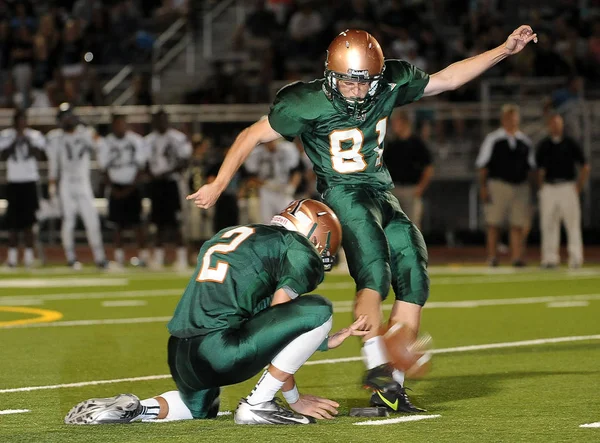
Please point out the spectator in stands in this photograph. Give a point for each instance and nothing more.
(142, 90)
(21, 148)
(398, 16)
(304, 29)
(356, 14)
(227, 211)
(409, 161)
(21, 59)
(506, 160)
(23, 16)
(557, 157)
(84, 11)
(46, 47)
(72, 63)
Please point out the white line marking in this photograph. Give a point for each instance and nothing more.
(6, 299)
(514, 344)
(108, 321)
(121, 303)
(24, 302)
(391, 421)
(568, 304)
(339, 307)
(61, 282)
(14, 411)
(591, 425)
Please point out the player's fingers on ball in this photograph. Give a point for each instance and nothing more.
(325, 414)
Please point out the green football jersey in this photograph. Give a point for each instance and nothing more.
(238, 272)
(342, 148)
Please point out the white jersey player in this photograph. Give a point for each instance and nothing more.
(21, 147)
(70, 150)
(169, 153)
(273, 163)
(123, 158)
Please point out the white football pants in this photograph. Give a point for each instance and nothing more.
(560, 202)
(272, 203)
(78, 199)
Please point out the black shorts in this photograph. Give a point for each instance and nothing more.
(127, 211)
(22, 204)
(164, 195)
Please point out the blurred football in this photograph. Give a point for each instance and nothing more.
(408, 352)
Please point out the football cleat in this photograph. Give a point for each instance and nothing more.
(268, 413)
(123, 408)
(387, 392)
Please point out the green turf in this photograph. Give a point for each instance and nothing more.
(532, 393)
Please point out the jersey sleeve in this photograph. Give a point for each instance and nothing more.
(38, 140)
(286, 116)
(408, 81)
(102, 153)
(52, 154)
(302, 269)
(142, 152)
(184, 147)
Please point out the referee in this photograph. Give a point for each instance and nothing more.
(505, 161)
(557, 157)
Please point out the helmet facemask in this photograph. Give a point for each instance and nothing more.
(356, 107)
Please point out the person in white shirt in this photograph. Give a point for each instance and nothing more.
(169, 154)
(123, 158)
(21, 147)
(275, 166)
(70, 149)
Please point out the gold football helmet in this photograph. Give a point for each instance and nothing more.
(317, 222)
(354, 55)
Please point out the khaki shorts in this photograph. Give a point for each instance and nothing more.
(410, 203)
(507, 200)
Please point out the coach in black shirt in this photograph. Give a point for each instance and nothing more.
(409, 162)
(506, 161)
(557, 157)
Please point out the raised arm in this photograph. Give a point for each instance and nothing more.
(246, 141)
(461, 72)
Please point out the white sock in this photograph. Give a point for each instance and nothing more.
(120, 256)
(177, 408)
(150, 410)
(28, 257)
(301, 348)
(182, 259)
(265, 389)
(374, 352)
(159, 256)
(144, 255)
(70, 254)
(98, 251)
(398, 377)
(13, 256)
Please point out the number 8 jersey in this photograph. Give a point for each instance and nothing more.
(344, 149)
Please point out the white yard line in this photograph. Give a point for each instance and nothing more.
(568, 304)
(14, 411)
(514, 344)
(61, 282)
(391, 421)
(338, 307)
(591, 425)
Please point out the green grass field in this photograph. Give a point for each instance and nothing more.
(112, 327)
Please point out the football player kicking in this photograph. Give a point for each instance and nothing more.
(341, 121)
(242, 310)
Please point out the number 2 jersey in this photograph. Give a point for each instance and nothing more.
(238, 271)
(342, 148)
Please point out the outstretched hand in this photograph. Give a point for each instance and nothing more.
(206, 196)
(519, 39)
(317, 407)
(355, 329)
